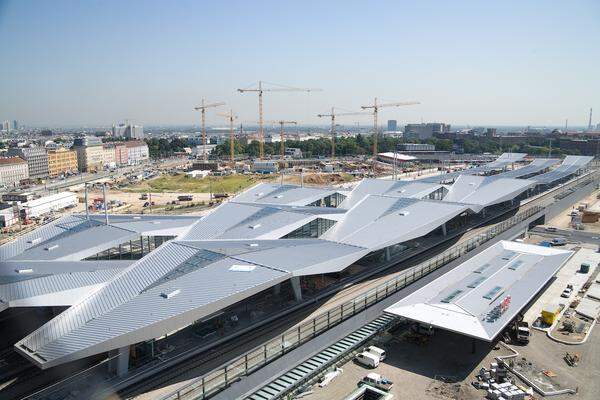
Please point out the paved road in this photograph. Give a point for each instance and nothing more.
(570, 235)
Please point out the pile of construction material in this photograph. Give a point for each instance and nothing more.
(495, 382)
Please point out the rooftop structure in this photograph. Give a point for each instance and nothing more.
(140, 277)
(481, 296)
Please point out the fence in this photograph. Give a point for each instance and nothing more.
(256, 358)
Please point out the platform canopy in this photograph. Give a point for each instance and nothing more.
(192, 267)
(479, 297)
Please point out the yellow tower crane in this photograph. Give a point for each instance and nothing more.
(282, 134)
(260, 90)
(334, 114)
(230, 117)
(202, 108)
(376, 108)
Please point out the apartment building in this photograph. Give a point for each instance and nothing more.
(61, 161)
(137, 152)
(13, 170)
(90, 153)
(36, 158)
(109, 155)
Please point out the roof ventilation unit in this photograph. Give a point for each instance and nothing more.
(50, 248)
(403, 213)
(168, 295)
(24, 271)
(255, 226)
(34, 241)
(242, 268)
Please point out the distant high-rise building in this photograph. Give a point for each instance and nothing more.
(15, 125)
(392, 125)
(6, 126)
(425, 131)
(128, 131)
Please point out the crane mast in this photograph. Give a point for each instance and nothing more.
(202, 108)
(230, 117)
(375, 107)
(260, 90)
(332, 116)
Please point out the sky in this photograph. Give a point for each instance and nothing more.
(91, 63)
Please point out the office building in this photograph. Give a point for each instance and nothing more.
(425, 131)
(392, 125)
(13, 170)
(90, 153)
(36, 157)
(128, 131)
(137, 152)
(6, 126)
(61, 161)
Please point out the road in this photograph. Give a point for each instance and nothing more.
(570, 235)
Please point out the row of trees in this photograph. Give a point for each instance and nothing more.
(350, 146)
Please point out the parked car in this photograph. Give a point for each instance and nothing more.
(376, 351)
(567, 292)
(550, 229)
(367, 359)
(377, 381)
(559, 241)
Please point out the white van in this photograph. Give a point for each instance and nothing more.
(376, 351)
(367, 359)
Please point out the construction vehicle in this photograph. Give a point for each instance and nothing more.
(522, 332)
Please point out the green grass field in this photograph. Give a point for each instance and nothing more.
(185, 184)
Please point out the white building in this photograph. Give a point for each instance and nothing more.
(13, 170)
(46, 204)
(137, 152)
(7, 217)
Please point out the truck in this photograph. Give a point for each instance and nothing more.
(522, 332)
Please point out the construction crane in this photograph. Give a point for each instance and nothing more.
(376, 108)
(333, 114)
(260, 90)
(202, 109)
(230, 117)
(282, 134)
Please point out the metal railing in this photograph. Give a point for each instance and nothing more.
(219, 379)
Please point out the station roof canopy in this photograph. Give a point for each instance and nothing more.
(536, 166)
(481, 296)
(255, 240)
(569, 166)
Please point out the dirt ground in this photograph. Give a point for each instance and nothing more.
(445, 366)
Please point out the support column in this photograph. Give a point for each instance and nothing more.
(277, 289)
(388, 254)
(444, 229)
(119, 365)
(295, 281)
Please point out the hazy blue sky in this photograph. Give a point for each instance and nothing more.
(468, 62)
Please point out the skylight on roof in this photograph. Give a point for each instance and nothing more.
(451, 296)
(255, 226)
(482, 268)
(476, 282)
(54, 246)
(515, 265)
(492, 294)
(34, 241)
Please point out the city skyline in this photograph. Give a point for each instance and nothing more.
(509, 64)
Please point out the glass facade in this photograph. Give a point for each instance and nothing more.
(313, 229)
(131, 250)
(333, 200)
